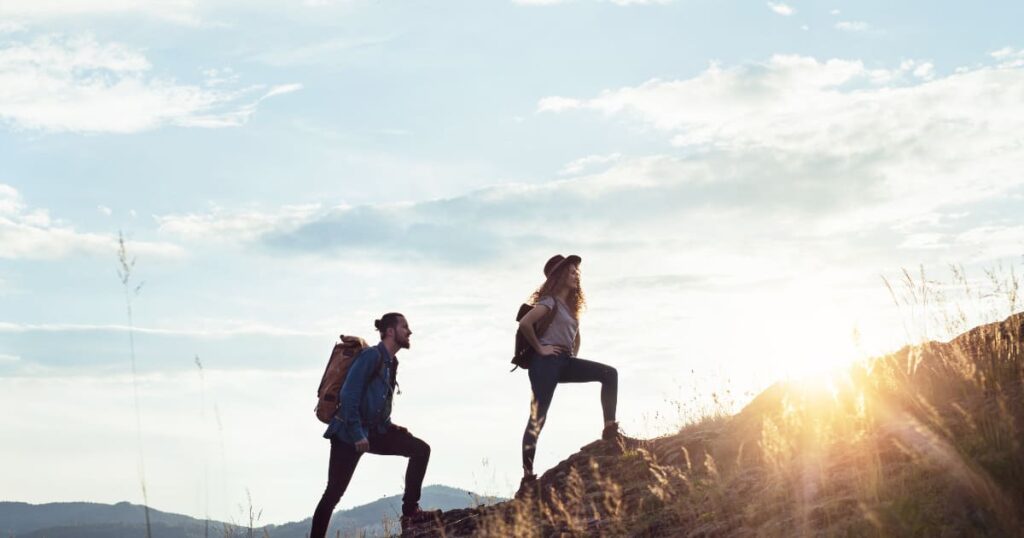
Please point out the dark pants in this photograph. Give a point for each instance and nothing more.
(545, 374)
(396, 442)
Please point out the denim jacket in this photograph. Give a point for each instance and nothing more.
(365, 397)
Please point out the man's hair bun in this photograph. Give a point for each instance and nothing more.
(387, 321)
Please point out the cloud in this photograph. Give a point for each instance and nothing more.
(180, 11)
(905, 132)
(208, 329)
(27, 233)
(1009, 57)
(981, 243)
(194, 13)
(557, 104)
(616, 2)
(233, 226)
(77, 348)
(324, 51)
(924, 71)
(852, 26)
(989, 241)
(782, 156)
(682, 208)
(11, 27)
(900, 130)
(1002, 53)
(476, 227)
(779, 103)
(76, 84)
(682, 281)
(281, 90)
(781, 8)
(585, 163)
(420, 230)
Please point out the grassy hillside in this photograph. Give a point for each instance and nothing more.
(923, 442)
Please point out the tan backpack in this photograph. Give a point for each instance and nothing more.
(342, 357)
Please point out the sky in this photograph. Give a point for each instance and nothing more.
(741, 179)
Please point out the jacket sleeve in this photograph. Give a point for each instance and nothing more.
(352, 392)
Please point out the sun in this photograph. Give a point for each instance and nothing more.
(813, 339)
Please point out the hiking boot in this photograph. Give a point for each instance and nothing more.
(611, 432)
(527, 485)
(416, 516)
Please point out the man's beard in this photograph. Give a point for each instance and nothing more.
(404, 344)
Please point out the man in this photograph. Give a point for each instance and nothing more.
(363, 424)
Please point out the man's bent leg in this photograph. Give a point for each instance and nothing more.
(399, 442)
(339, 472)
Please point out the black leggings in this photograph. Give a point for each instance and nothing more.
(396, 442)
(545, 374)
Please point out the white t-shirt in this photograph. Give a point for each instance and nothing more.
(563, 328)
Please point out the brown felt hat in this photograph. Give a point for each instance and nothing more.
(557, 261)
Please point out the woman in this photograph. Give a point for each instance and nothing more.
(554, 358)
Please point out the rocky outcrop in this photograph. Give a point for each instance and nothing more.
(592, 492)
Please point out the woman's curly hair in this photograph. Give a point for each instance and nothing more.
(576, 302)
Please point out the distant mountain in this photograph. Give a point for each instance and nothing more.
(125, 520)
(22, 519)
(134, 530)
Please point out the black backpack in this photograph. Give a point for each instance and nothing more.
(523, 350)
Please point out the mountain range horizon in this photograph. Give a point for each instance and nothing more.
(82, 519)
